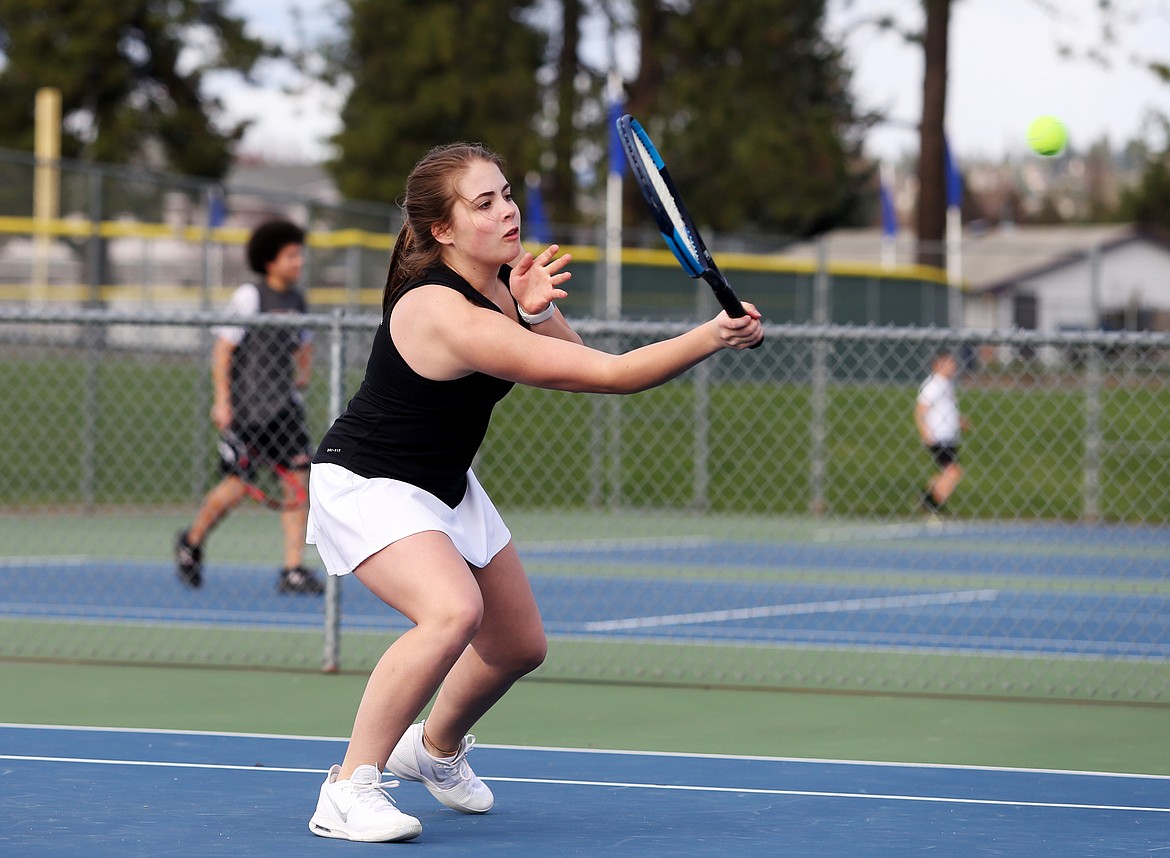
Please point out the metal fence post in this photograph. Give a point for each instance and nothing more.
(353, 275)
(705, 306)
(820, 381)
(597, 453)
(700, 499)
(1091, 497)
(613, 409)
(94, 337)
(1092, 450)
(205, 251)
(331, 659)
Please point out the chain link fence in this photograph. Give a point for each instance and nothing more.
(755, 523)
(123, 236)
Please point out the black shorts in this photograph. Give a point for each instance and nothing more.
(944, 454)
(284, 441)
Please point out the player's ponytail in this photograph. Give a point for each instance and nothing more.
(398, 273)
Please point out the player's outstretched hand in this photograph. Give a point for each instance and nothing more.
(743, 332)
(535, 282)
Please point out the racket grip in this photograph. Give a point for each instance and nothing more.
(727, 298)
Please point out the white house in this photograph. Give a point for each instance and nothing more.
(1046, 278)
(1114, 278)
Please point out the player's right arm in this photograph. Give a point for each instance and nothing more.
(221, 382)
(245, 302)
(442, 336)
(920, 410)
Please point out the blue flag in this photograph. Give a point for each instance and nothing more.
(216, 209)
(536, 221)
(954, 180)
(617, 156)
(889, 213)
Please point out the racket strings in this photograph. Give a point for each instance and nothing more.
(682, 230)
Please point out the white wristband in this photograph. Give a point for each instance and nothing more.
(536, 318)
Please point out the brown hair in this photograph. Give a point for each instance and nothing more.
(430, 199)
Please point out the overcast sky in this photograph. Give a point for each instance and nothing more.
(1005, 70)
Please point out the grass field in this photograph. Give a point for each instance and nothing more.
(135, 433)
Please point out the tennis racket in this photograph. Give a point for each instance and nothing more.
(272, 485)
(671, 215)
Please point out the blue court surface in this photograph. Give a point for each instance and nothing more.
(1098, 593)
(95, 792)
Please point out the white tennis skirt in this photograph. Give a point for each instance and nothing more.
(352, 518)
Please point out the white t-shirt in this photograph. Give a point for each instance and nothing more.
(245, 302)
(937, 393)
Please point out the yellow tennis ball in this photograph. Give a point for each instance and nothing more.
(1047, 135)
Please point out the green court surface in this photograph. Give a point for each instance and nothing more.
(1048, 735)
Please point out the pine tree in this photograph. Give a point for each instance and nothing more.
(749, 103)
(429, 73)
(131, 81)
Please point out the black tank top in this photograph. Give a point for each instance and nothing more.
(263, 367)
(409, 428)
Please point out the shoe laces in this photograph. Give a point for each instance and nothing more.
(375, 795)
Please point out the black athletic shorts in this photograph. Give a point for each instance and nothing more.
(944, 454)
(280, 442)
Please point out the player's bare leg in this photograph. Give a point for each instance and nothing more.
(509, 644)
(218, 502)
(424, 578)
(945, 482)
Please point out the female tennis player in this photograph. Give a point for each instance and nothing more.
(467, 313)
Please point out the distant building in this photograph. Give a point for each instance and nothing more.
(1111, 278)
(258, 191)
(1049, 278)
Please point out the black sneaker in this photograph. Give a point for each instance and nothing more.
(188, 562)
(299, 580)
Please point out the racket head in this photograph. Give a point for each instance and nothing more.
(670, 213)
(649, 171)
(272, 485)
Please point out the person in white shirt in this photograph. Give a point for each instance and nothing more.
(940, 426)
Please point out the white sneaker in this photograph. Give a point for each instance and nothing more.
(360, 809)
(450, 781)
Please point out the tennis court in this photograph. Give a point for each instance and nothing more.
(965, 588)
(140, 792)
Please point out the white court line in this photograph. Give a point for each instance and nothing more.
(825, 794)
(69, 560)
(598, 752)
(909, 530)
(166, 731)
(158, 764)
(625, 544)
(985, 802)
(835, 606)
(620, 752)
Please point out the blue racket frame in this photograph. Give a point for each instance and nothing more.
(688, 249)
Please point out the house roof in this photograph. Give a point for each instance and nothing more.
(305, 181)
(991, 259)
